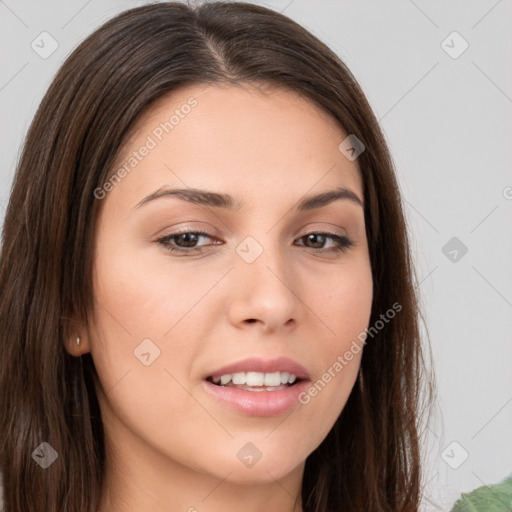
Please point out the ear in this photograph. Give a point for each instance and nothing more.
(73, 331)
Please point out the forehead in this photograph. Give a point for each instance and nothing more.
(239, 139)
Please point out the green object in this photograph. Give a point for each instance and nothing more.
(488, 498)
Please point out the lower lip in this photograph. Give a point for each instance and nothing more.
(258, 403)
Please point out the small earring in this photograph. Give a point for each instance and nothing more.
(78, 342)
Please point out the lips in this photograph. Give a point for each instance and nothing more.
(265, 401)
(257, 364)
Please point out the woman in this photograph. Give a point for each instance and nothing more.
(207, 295)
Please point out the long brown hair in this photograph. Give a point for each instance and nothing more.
(370, 460)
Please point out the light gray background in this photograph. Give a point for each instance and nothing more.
(447, 121)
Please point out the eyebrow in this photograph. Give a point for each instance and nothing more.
(220, 200)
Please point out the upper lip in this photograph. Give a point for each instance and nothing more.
(258, 364)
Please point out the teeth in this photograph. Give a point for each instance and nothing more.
(271, 379)
(256, 378)
(225, 379)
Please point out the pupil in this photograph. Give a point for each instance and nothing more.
(312, 236)
(183, 237)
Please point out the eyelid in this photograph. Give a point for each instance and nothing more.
(341, 241)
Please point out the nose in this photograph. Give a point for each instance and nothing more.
(265, 291)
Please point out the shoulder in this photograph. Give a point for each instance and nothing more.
(497, 497)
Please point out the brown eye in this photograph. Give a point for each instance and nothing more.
(318, 240)
(184, 241)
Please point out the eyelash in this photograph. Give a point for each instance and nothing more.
(342, 242)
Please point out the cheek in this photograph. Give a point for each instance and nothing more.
(343, 301)
(148, 312)
(141, 318)
(343, 304)
(144, 295)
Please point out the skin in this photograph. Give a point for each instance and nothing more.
(170, 445)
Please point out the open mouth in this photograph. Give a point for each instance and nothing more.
(255, 381)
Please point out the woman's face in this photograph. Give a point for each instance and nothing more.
(262, 282)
